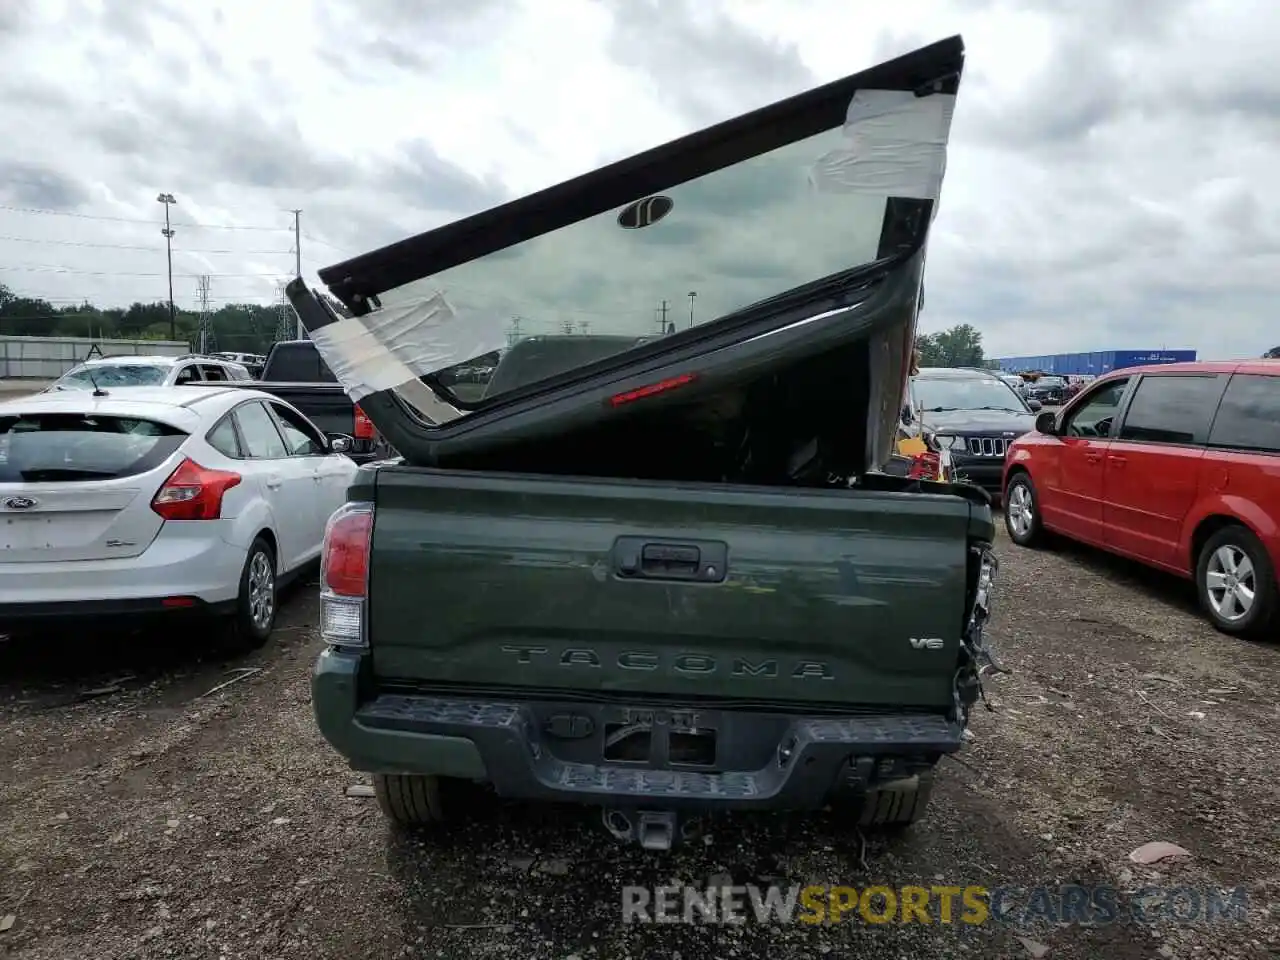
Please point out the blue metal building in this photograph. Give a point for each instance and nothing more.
(1096, 363)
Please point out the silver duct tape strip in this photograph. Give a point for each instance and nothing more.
(896, 146)
(392, 348)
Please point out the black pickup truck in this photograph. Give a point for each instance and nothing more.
(296, 372)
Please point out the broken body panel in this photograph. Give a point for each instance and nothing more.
(689, 523)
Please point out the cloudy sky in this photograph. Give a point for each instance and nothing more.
(1110, 182)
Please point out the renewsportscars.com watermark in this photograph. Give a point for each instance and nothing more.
(938, 904)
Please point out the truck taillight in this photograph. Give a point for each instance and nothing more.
(193, 492)
(344, 575)
(363, 426)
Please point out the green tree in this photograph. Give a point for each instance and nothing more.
(1272, 354)
(245, 327)
(960, 346)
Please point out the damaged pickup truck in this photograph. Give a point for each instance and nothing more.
(664, 574)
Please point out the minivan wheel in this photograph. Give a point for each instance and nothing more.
(1237, 584)
(1022, 511)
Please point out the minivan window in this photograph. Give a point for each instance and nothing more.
(1172, 409)
(1249, 415)
(54, 447)
(1094, 417)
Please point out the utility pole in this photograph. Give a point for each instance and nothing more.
(693, 295)
(167, 200)
(514, 336)
(285, 316)
(205, 326)
(297, 260)
(664, 308)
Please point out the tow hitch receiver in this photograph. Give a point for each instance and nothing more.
(652, 829)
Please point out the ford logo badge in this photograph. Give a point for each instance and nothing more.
(20, 503)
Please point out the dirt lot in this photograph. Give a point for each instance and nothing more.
(140, 817)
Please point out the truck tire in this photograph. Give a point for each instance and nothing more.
(898, 803)
(409, 800)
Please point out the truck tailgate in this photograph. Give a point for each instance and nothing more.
(502, 581)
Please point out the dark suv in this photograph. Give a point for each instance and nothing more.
(1051, 390)
(975, 416)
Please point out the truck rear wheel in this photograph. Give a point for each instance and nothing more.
(898, 803)
(409, 800)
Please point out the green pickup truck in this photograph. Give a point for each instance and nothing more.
(660, 572)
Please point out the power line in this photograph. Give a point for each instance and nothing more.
(58, 268)
(150, 248)
(176, 223)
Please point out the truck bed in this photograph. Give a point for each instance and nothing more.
(627, 590)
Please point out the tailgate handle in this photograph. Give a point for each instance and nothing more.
(643, 559)
(671, 559)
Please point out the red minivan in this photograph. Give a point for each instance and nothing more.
(1177, 466)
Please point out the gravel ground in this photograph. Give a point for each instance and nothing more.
(142, 816)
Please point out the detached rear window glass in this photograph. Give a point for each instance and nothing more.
(685, 256)
(63, 447)
(115, 375)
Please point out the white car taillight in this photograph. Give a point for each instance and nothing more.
(344, 575)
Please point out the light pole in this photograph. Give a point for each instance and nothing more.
(167, 199)
(693, 294)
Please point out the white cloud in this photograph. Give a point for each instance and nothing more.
(1110, 181)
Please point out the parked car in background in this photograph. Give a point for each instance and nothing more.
(160, 503)
(1176, 466)
(1076, 383)
(974, 416)
(1048, 390)
(1016, 384)
(296, 372)
(143, 371)
(253, 362)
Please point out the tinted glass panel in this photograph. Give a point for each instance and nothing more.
(223, 438)
(1249, 416)
(1169, 409)
(1095, 416)
(260, 433)
(689, 254)
(213, 372)
(300, 438)
(45, 448)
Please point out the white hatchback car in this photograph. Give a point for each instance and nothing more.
(160, 502)
(153, 371)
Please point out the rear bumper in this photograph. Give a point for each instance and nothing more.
(554, 751)
(194, 559)
(99, 614)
